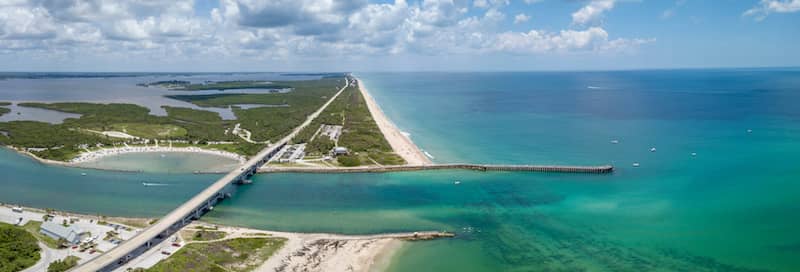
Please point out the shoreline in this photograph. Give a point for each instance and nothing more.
(77, 165)
(107, 152)
(400, 142)
(302, 251)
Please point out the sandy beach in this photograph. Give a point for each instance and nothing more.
(399, 141)
(97, 154)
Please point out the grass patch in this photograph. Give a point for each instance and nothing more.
(206, 235)
(33, 228)
(240, 255)
(18, 248)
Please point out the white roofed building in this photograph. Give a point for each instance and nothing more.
(71, 234)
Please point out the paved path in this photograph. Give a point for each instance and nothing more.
(127, 248)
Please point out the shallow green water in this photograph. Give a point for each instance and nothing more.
(732, 207)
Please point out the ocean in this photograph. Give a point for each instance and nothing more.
(718, 193)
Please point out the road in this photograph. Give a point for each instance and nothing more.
(130, 248)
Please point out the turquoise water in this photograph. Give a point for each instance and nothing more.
(732, 207)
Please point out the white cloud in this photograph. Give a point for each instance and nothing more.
(591, 39)
(254, 30)
(490, 3)
(765, 7)
(521, 18)
(592, 12)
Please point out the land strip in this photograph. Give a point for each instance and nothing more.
(349, 125)
(400, 143)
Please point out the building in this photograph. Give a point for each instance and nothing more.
(340, 151)
(71, 234)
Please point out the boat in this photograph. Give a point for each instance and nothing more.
(457, 182)
(694, 154)
(83, 174)
(749, 131)
(614, 141)
(635, 164)
(652, 149)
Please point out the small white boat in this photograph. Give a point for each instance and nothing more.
(635, 164)
(694, 154)
(749, 131)
(652, 149)
(457, 182)
(614, 141)
(83, 174)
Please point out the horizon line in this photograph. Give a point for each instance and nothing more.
(413, 71)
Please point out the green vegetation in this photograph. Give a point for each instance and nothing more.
(33, 228)
(240, 255)
(360, 133)
(166, 84)
(183, 125)
(231, 85)
(150, 131)
(4, 110)
(272, 123)
(64, 264)
(180, 85)
(208, 235)
(18, 249)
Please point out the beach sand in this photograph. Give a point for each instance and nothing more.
(310, 252)
(401, 143)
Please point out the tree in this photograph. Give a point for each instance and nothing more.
(63, 265)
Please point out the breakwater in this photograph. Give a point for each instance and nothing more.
(602, 169)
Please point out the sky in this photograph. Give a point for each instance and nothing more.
(395, 35)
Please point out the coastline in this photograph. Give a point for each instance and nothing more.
(98, 154)
(400, 142)
(302, 251)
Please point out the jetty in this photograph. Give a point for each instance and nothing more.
(601, 169)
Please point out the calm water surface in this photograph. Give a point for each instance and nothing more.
(732, 207)
(166, 162)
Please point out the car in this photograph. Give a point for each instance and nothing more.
(176, 244)
(165, 252)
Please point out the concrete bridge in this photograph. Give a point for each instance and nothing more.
(196, 206)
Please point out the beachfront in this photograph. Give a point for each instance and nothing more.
(94, 155)
(300, 252)
(399, 141)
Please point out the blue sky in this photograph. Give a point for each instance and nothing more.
(361, 35)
